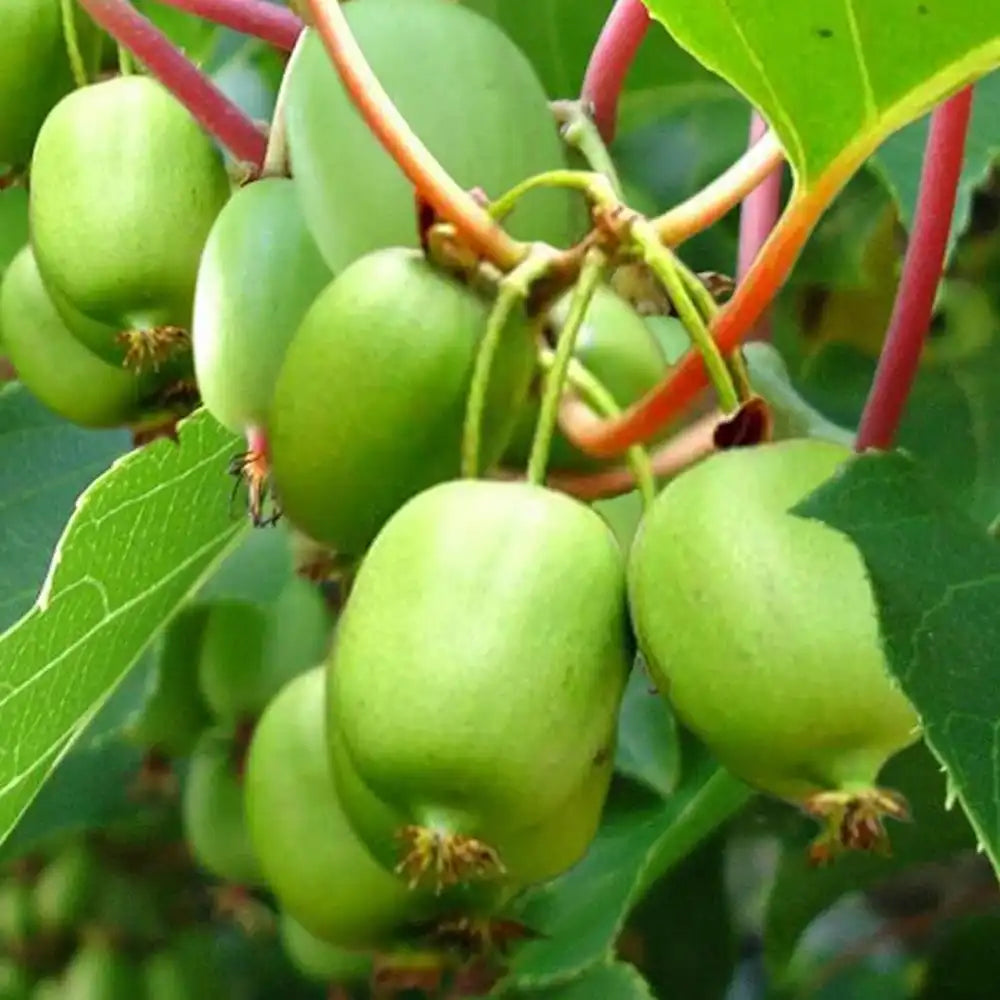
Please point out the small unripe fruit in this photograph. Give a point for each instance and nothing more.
(463, 87)
(316, 959)
(56, 367)
(212, 809)
(98, 972)
(124, 189)
(65, 888)
(309, 854)
(481, 610)
(259, 273)
(761, 628)
(175, 713)
(370, 402)
(230, 661)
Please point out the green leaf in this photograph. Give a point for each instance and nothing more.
(683, 921)
(834, 78)
(801, 892)
(936, 579)
(607, 981)
(965, 964)
(143, 536)
(45, 463)
(900, 158)
(649, 749)
(580, 914)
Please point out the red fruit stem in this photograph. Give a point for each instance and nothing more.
(437, 187)
(275, 25)
(922, 270)
(611, 61)
(759, 213)
(713, 201)
(209, 106)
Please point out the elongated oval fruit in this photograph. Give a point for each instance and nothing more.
(230, 661)
(761, 628)
(65, 888)
(185, 969)
(34, 70)
(98, 972)
(316, 959)
(464, 88)
(481, 610)
(124, 190)
(371, 398)
(259, 273)
(55, 366)
(310, 856)
(617, 347)
(174, 714)
(212, 810)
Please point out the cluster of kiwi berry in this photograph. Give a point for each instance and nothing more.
(458, 744)
(116, 914)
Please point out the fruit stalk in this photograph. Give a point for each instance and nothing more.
(209, 106)
(611, 60)
(591, 272)
(713, 201)
(922, 269)
(580, 131)
(275, 25)
(640, 472)
(664, 266)
(72, 43)
(759, 213)
(513, 291)
(452, 202)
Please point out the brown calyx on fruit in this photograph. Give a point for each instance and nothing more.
(148, 349)
(445, 859)
(253, 467)
(853, 821)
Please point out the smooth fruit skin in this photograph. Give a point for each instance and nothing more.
(310, 856)
(65, 888)
(617, 347)
(464, 88)
(259, 273)
(54, 365)
(97, 972)
(230, 662)
(315, 959)
(212, 810)
(174, 714)
(34, 71)
(124, 190)
(370, 402)
(482, 610)
(760, 626)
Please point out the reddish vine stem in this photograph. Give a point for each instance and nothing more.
(922, 269)
(212, 109)
(759, 213)
(275, 25)
(437, 187)
(611, 61)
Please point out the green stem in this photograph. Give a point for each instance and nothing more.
(581, 133)
(662, 262)
(126, 64)
(513, 290)
(592, 391)
(276, 162)
(701, 296)
(595, 186)
(73, 43)
(591, 272)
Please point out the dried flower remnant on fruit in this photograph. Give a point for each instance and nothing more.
(149, 349)
(852, 821)
(253, 468)
(445, 859)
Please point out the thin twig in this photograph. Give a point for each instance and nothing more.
(273, 24)
(611, 61)
(922, 269)
(209, 106)
(758, 214)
